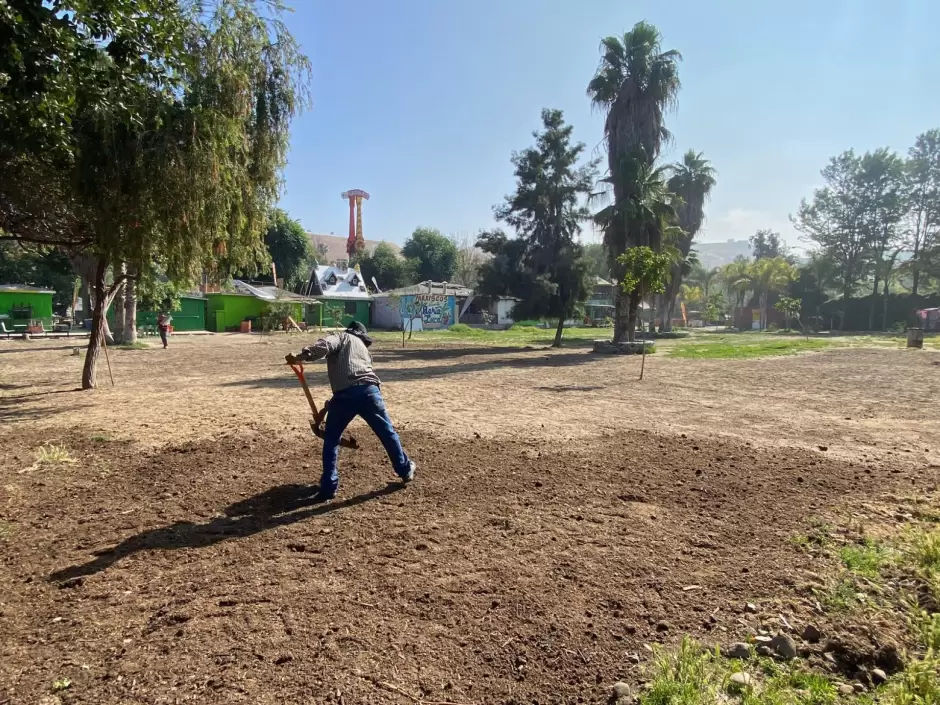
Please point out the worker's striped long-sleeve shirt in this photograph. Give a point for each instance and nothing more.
(348, 362)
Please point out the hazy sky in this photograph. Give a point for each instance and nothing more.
(421, 102)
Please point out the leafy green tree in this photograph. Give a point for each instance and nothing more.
(883, 202)
(767, 244)
(834, 220)
(691, 180)
(635, 84)
(645, 272)
(597, 258)
(923, 204)
(546, 212)
(435, 254)
(790, 308)
(289, 248)
(389, 269)
(171, 148)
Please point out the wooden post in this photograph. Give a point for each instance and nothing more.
(643, 360)
(107, 358)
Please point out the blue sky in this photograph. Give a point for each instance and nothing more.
(421, 102)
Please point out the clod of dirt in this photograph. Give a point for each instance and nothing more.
(738, 650)
(784, 646)
(811, 634)
(282, 659)
(662, 626)
(764, 650)
(740, 681)
(751, 608)
(620, 691)
(846, 689)
(888, 658)
(823, 448)
(878, 676)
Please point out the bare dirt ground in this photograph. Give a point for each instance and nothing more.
(565, 516)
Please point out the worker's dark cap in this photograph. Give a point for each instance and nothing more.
(357, 329)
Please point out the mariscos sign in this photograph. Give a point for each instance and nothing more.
(433, 310)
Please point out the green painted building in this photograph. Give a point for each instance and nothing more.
(189, 315)
(226, 310)
(22, 304)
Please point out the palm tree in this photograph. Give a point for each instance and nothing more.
(647, 213)
(703, 276)
(764, 277)
(692, 180)
(635, 83)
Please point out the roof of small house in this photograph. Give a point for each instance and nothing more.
(600, 281)
(340, 283)
(430, 288)
(270, 293)
(23, 289)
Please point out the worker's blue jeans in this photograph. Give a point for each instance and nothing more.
(365, 401)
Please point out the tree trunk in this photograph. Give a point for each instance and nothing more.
(763, 311)
(86, 301)
(633, 307)
(874, 301)
(884, 308)
(118, 331)
(669, 298)
(621, 315)
(662, 313)
(558, 332)
(915, 268)
(100, 305)
(130, 312)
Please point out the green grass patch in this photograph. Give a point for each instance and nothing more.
(818, 536)
(746, 349)
(6, 530)
(693, 675)
(517, 336)
(866, 559)
(841, 595)
(924, 549)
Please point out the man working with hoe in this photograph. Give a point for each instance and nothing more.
(355, 393)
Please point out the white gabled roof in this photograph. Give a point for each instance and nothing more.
(344, 288)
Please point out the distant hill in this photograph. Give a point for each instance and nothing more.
(332, 248)
(716, 254)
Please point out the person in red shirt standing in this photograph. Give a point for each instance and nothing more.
(163, 325)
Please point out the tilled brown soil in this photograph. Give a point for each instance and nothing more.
(509, 572)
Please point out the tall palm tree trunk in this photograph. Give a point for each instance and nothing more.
(622, 317)
(669, 298)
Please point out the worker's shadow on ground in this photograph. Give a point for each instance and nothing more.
(278, 506)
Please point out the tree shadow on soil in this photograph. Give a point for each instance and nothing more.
(424, 372)
(278, 506)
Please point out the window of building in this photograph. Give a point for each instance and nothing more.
(350, 308)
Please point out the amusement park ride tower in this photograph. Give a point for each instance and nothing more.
(355, 242)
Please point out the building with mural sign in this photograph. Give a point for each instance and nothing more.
(425, 306)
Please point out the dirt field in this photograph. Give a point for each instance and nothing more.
(565, 516)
